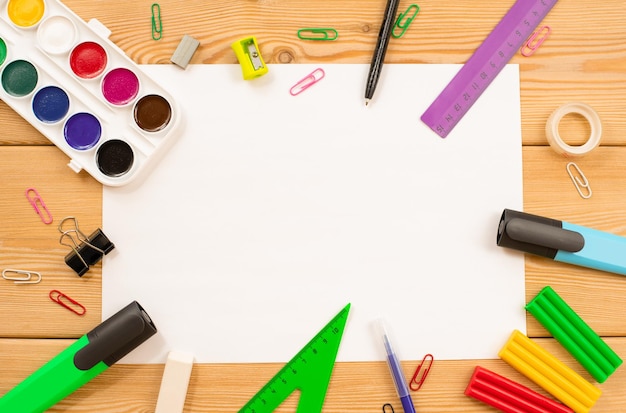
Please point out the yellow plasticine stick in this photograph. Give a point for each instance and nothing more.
(547, 371)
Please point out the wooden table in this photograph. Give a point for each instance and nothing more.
(584, 59)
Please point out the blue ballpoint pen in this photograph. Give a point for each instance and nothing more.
(396, 371)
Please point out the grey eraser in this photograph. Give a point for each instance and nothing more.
(184, 52)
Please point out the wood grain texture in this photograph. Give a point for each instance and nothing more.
(584, 59)
(221, 388)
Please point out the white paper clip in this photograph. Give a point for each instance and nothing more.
(21, 276)
(580, 181)
(311, 79)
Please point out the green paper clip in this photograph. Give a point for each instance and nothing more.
(404, 22)
(157, 27)
(314, 33)
(574, 334)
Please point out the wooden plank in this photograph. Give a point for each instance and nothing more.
(27, 243)
(219, 388)
(582, 60)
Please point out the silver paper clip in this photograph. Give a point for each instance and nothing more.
(21, 276)
(580, 180)
(311, 79)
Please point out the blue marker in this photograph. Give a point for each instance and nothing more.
(562, 241)
(396, 371)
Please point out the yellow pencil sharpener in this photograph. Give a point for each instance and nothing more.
(250, 59)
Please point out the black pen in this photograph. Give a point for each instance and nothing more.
(381, 49)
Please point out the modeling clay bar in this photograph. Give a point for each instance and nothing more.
(534, 362)
(574, 334)
(509, 396)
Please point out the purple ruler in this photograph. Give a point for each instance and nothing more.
(485, 64)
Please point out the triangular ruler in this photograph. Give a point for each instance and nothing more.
(309, 371)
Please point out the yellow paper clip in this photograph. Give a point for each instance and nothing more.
(318, 33)
(404, 22)
(530, 359)
(311, 79)
(250, 59)
(535, 40)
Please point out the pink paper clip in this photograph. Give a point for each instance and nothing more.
(42, 210)
(60, 298)
(535, 40)
(417, 380)
(311, 79)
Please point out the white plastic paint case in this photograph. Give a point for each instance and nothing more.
(130, 142)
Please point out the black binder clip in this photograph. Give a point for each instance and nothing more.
(86, 251)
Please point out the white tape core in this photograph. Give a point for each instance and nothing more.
(552, 129)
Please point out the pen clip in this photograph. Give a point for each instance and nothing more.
(417, 380)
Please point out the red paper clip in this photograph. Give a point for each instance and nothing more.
(426, 364)
(535, 40)
(37, 203)
(57, 296)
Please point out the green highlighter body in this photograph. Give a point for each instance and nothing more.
(92, 354)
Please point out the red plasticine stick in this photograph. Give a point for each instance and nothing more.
(509, 396)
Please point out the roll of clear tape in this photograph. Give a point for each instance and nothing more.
(554, 138)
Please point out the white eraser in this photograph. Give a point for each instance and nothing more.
(174, 383)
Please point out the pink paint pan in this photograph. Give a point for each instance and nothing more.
(77, 88)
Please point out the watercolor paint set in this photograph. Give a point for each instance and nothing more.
(66, 78)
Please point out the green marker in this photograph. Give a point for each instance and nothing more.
(82, 361)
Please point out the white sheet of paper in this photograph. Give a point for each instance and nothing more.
(272, 212)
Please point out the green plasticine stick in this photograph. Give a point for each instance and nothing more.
(574, 334)
(89, 356)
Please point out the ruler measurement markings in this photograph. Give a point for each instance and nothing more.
(288, 377)
(485, 64)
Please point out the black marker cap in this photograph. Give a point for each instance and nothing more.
(115, 337)
(536, 235)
